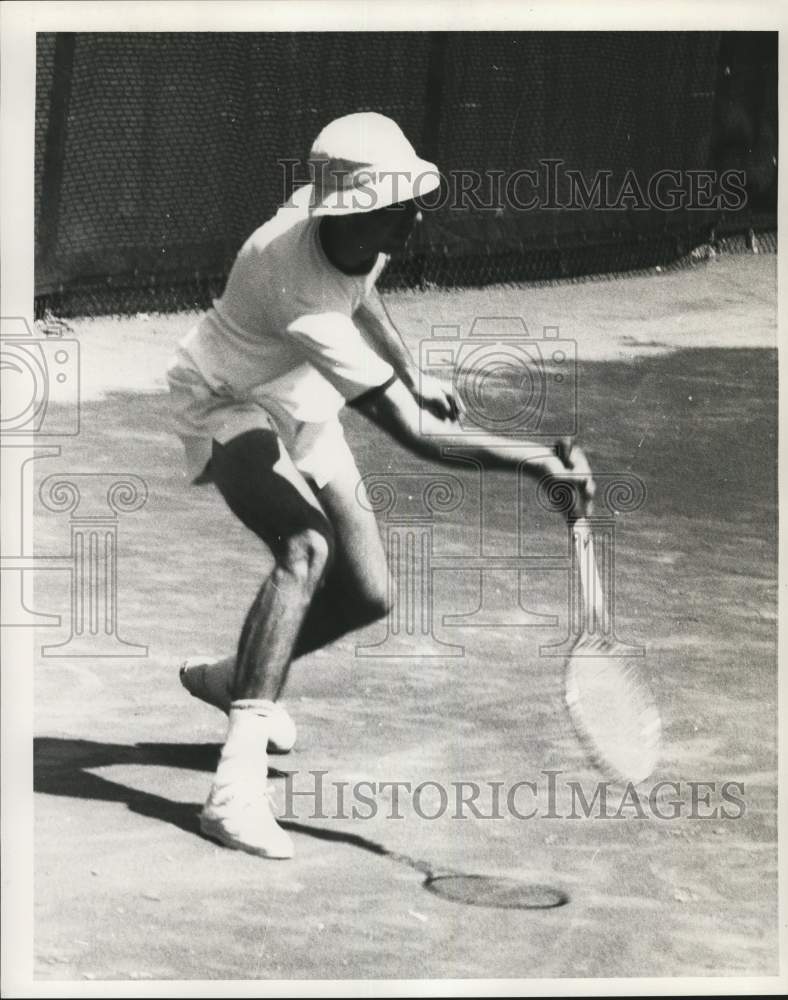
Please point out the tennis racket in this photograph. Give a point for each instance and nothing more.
(609, 700)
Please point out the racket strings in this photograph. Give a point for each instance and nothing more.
(615, 715)
(609, 700)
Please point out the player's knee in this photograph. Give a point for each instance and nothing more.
(306, 555)
(375, 603)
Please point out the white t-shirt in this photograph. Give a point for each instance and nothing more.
(283, 329)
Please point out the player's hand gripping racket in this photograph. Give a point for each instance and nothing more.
(609, 700)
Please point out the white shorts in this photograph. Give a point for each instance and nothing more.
(318, 450)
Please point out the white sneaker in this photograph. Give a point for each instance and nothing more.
(245, 822)
(210, 681)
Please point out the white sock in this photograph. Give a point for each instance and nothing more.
(244, 760)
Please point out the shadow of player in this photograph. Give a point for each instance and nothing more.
(64, 767)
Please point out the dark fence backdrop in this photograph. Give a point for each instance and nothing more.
(157, 154)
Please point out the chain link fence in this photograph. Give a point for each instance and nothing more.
(158, 153)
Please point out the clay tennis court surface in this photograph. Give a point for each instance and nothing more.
(677, 385)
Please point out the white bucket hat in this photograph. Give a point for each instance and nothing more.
(362, 162)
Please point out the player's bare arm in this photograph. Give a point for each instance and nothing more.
(397, 412)
(374, 320)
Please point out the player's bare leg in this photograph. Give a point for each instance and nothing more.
(276, 617)
(265, 491)
(354, 593)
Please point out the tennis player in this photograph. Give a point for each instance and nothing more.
(256, 388)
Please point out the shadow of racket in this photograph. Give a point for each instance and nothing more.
(497, 891)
